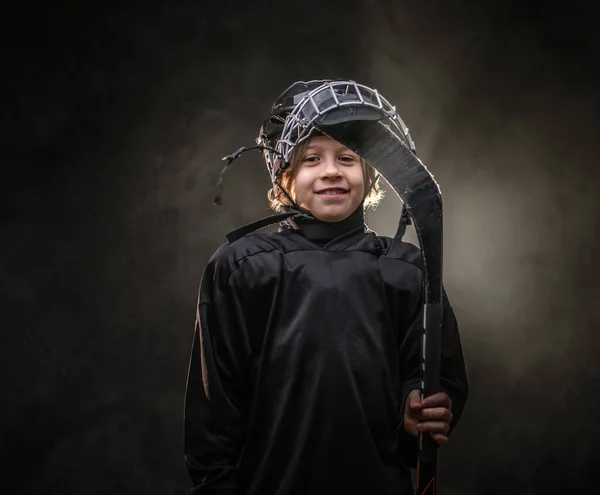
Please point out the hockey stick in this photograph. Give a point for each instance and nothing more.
(421, 195)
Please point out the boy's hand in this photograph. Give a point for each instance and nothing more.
(431, 415)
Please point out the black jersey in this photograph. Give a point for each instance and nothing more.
(304, 353)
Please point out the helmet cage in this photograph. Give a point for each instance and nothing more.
(317, 106)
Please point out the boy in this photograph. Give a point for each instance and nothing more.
(304, 376)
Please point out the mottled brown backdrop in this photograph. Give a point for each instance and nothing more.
(114, 119)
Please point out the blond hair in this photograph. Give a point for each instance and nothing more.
(278, 200)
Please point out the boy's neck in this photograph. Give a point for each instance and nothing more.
(321, 232)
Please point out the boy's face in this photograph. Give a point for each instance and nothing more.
(330, 180)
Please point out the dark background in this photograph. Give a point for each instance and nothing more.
(114, 120)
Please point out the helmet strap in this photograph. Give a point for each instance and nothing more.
(230, 158)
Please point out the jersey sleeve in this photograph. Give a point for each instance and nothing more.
(216, 391)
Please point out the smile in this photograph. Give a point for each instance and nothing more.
(332, 191)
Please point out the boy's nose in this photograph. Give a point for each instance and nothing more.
(331, 167)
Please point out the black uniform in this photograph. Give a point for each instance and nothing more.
(306, 347)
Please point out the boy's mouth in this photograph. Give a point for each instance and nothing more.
(332, 191)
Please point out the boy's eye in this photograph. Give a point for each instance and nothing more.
(347, 158)
(310, 159)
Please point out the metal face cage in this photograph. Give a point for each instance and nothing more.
(323, 105)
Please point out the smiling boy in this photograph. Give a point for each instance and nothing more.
(304, 375)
